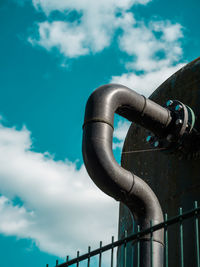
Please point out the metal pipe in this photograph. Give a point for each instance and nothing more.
(108, 175)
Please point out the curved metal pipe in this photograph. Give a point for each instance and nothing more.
(106, 172)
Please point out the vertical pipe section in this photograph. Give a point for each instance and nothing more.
(106, 172)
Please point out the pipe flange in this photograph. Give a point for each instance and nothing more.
(181, 137)
(183, 118)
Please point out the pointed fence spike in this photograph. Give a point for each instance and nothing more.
(88, 262)
(112, 253)
(100, 253)
(180, 211)
(77, 263)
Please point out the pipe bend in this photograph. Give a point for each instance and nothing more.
(114, 98)
(100, 163)
(97, 147)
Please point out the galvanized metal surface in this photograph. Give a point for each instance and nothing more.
(175, 181)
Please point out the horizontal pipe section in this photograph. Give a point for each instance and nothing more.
(114, 98)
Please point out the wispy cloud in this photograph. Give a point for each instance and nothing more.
(154, 47)
(155, 54)
(58, 201)
(120, 133)
(147, 82)
(69, 38)
(91, 32)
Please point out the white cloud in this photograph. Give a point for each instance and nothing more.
(171, 32)
(156, 52)
(68, 38)
(120, 133)
(59, 202)
(154, 47)
(83, 5)
(121, 130)
(146, 83)
(151, 52)
(96, 26)
(13, 218)
(90, 33)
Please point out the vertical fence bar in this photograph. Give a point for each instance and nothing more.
(112, 252)
(181, 236)
(179, 219)
(88, 262)
(166, 241)
(100, 254)
(67, 259)
(197, 233)
(151, 225)
(138, 247)
(77, 264)
(125, 249)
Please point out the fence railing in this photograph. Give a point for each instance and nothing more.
(175, 254)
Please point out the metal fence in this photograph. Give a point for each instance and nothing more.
(124, 244)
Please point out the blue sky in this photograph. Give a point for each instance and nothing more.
(53, 55)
